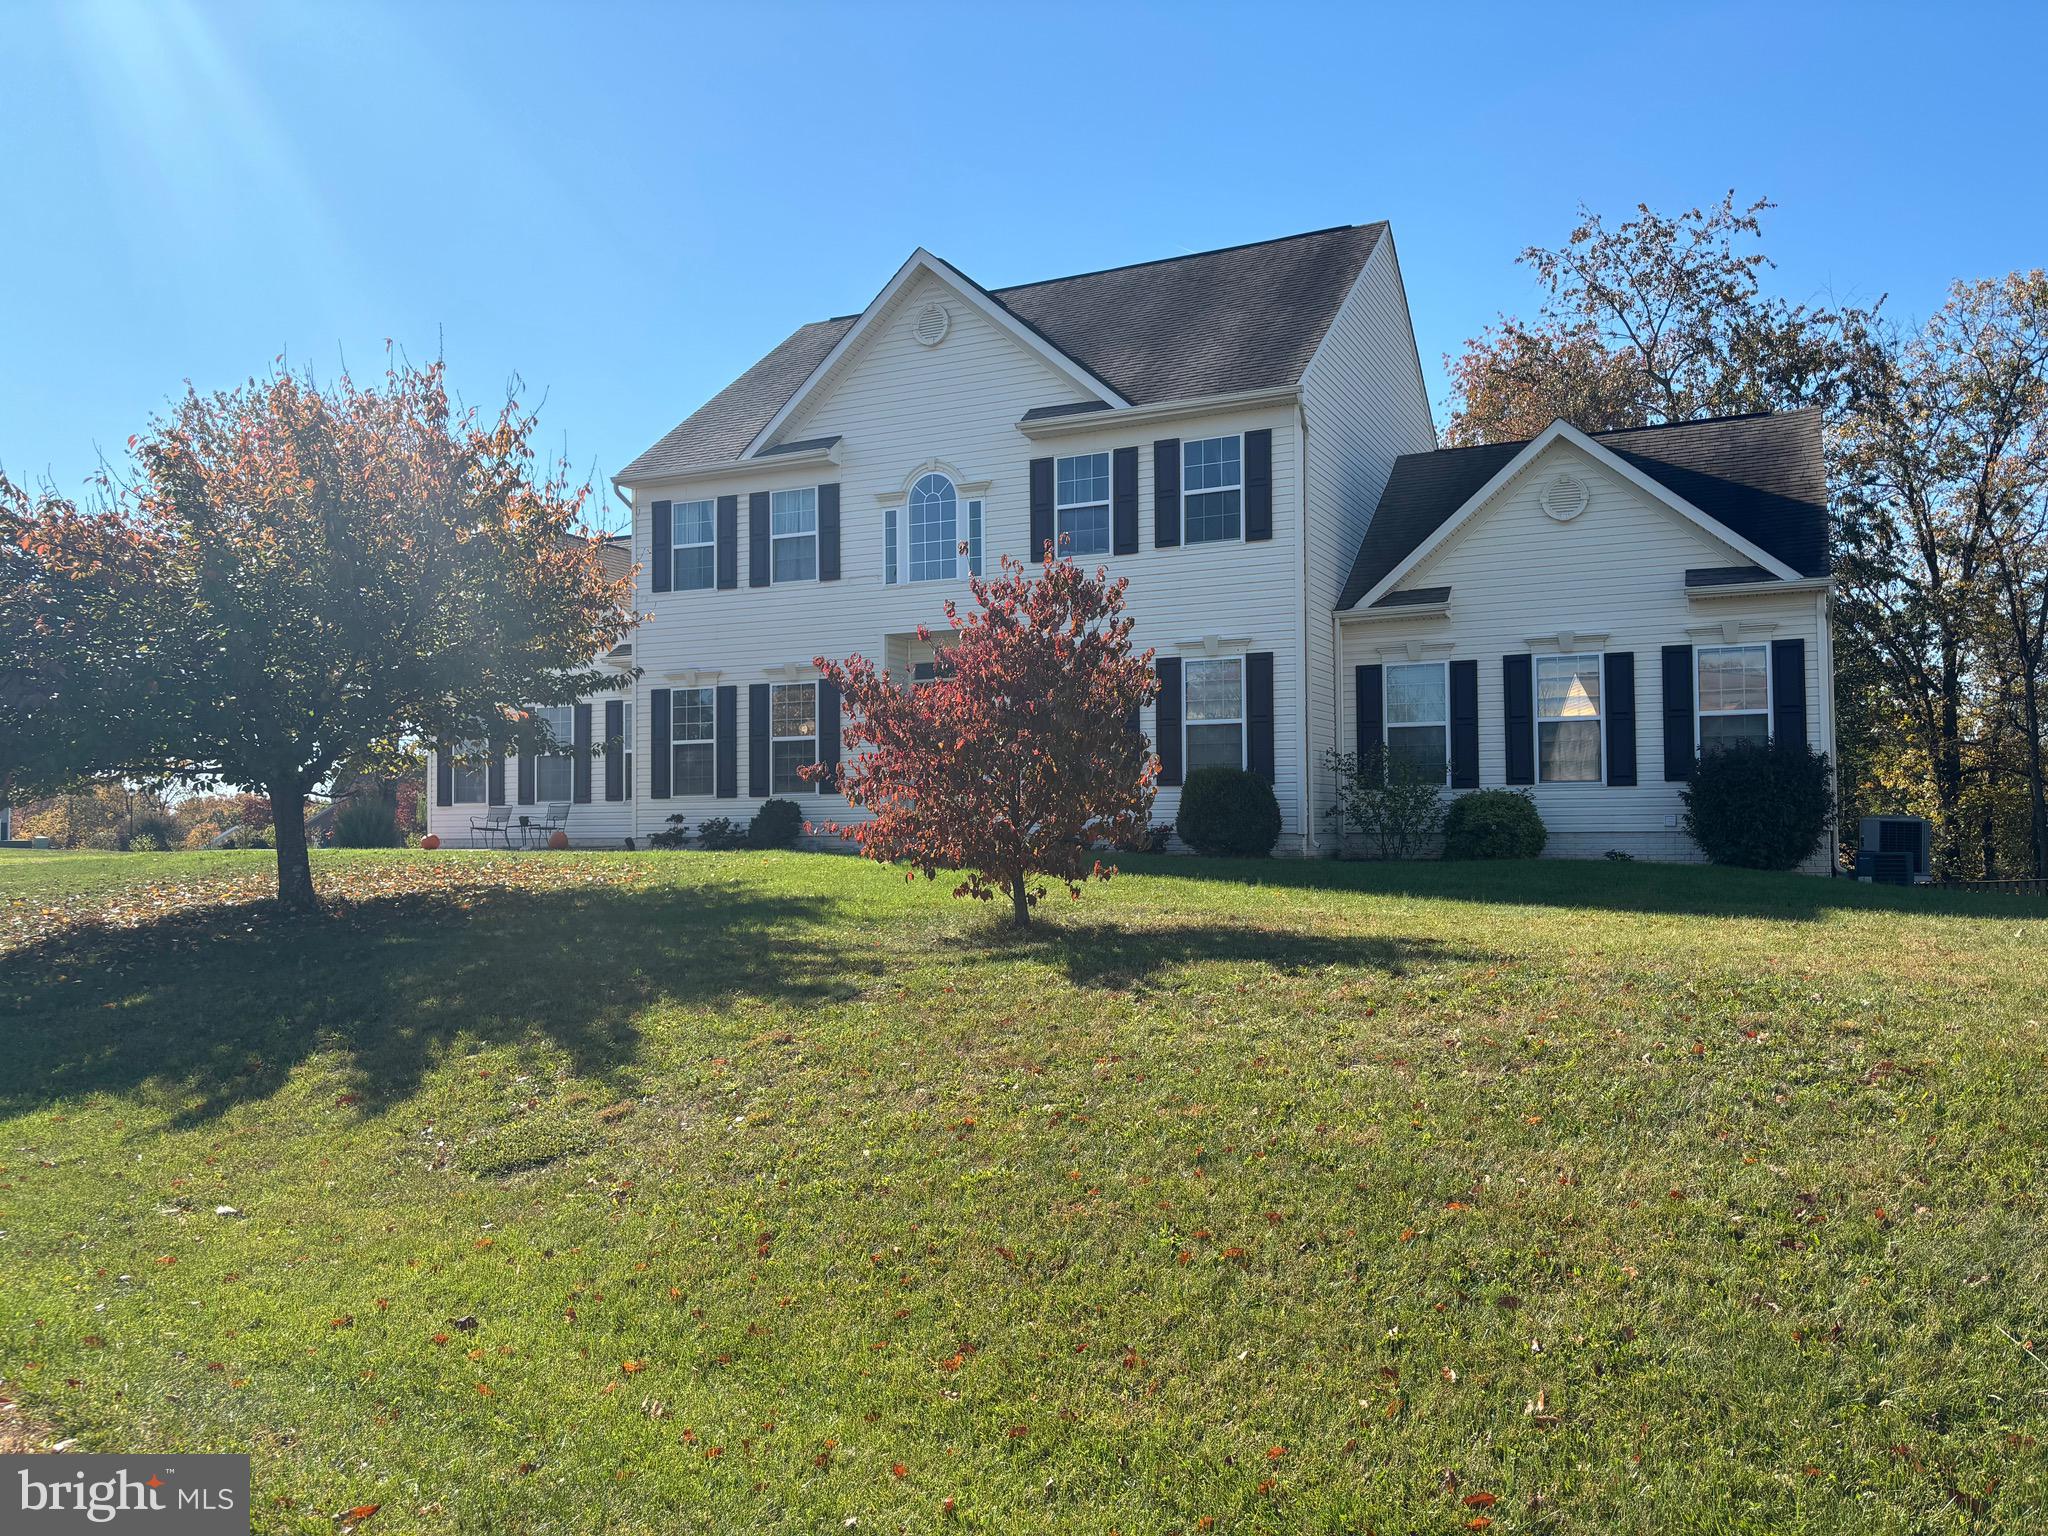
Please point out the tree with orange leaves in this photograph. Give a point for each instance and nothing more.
(1021, 757)
(300, 575)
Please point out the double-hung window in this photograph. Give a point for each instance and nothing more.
(626, 746)
(1734, 695)
(1212, 490)
(1213, 710)
(1080, 505)
(694, 528)
(1568, 719)
(693, 727)
(554, 768)
(793, 534)
(466, 765)
(1418, 721)
(793, 732)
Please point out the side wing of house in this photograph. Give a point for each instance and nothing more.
(1363, 405)
(1577, 635)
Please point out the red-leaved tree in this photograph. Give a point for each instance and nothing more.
(1021, 758)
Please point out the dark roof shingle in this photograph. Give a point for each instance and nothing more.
(1220, 322)
(1762, 476)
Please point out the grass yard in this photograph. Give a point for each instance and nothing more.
(691, 1192)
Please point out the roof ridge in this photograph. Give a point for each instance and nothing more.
(1163, 261)
(1648, 426)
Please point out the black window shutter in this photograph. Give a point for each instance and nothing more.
(828, 532)
(828, 733)
(1166, 493)
(1124, 501)
(1464, 725)
(614, 749)
(1621, 717)
(1041, 509)
(660, 762)
(728, 543)
(1166, 739)
(661, 555)
(1678, 753)
(1518, 717)
(1371, 711)
(526, 762)
(581, 776)
(1258, 714)
(757, 740)
(728, 749)
(494, 780)
(1788, 691)
(1258, 484)
(444, 776)
(757, 539)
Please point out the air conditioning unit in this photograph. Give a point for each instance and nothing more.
(1908, 840)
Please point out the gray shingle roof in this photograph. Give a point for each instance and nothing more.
(1220, 322)
(1761, 476)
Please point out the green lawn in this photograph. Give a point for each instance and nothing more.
(666, 1192)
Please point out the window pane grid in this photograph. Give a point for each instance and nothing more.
(1081, 505)
(1212, 490)
(693, 540)
(1212, 695)
(1734, 696)
(466, 773)
(1568, 719)
(793, 529)
(793, 729)
(1418, 721)
(934, 530)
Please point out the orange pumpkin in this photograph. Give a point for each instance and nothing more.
(558, 840)
(430, 841)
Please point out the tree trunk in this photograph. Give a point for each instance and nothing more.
(294, 869)
(1020, 905)
(2037, 795)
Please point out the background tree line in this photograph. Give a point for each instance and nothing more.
(1937, 437)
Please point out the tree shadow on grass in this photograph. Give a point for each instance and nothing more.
(1116, 956)
(218, 1005)
(1604, 884)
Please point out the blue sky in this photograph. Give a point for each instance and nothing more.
(625, 205)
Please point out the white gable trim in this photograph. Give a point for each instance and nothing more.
(971, 293)
(1607, 459)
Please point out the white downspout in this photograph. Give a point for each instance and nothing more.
(1310, 845)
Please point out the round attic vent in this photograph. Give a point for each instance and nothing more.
(932, 325)
(1565, 498)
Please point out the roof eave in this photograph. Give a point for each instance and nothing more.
(1159, 410)
(810, 458)
(1762, 588)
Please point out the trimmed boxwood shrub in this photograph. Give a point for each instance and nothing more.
(1228, 812)
(778, 824)
(1762, 807)
(1494, 824)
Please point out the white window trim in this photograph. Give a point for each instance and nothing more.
(804, 787)
(1108, 505)
(1538, 720)
(675, 742)
(775, 538)
(1188, 722)
(1185, 493)
(1388, 723)
(676, 546)
(1770, 692)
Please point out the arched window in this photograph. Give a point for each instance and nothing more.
(934, 529)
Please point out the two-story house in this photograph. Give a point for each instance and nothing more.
(1244, 434)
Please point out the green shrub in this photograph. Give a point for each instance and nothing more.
(1396, 806)
(1761, 807)
(153, 832)
(1494, 824)
(778, 824)
(1228, 812)
(365, 823)
(721, 834)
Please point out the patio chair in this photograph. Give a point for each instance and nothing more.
(495, 825)
(556, 820)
